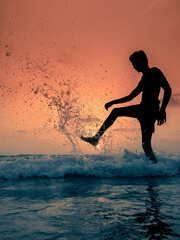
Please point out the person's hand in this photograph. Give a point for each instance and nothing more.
(107, 105)
(161, 118)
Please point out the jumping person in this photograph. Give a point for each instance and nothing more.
(148, 111)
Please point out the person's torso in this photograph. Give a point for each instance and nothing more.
(150, 88)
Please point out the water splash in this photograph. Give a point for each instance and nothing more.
(47, 82)
(55, 87)
(61, 97)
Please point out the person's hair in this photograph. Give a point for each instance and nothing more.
(139, 57)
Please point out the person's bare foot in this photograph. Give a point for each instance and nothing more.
(92, 140)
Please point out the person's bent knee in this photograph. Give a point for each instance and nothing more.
(115, 112)
(112, 117)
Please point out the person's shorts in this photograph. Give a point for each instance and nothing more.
(147, 117)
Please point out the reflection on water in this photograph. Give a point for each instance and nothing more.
(90, 208)
(152, 220)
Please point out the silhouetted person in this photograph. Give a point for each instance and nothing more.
(148, 111)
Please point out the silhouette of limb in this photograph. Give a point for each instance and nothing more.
(92, 140)
(130, 111)
(146, 145)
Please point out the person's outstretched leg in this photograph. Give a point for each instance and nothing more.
(146, 145)
(131, 111)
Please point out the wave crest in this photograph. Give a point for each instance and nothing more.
(127, 164)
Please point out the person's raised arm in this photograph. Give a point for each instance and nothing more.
(128, 98)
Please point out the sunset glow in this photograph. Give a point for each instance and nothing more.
(61, 61)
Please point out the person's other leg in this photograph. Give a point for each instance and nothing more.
(146, 145)
(130, 111)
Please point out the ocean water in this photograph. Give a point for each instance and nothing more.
(89, 197)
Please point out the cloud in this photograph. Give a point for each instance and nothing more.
(89, 120)
(125, 129)
(176, 95)
(178, 132)
(22, 131)
(175, 100)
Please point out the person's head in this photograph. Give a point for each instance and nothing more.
(139, 60)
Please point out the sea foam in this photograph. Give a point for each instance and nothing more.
(127, 164)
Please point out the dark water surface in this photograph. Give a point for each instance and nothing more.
(77, 207)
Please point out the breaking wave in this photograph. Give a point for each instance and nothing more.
(127, 164)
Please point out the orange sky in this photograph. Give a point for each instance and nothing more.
(61, 61)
